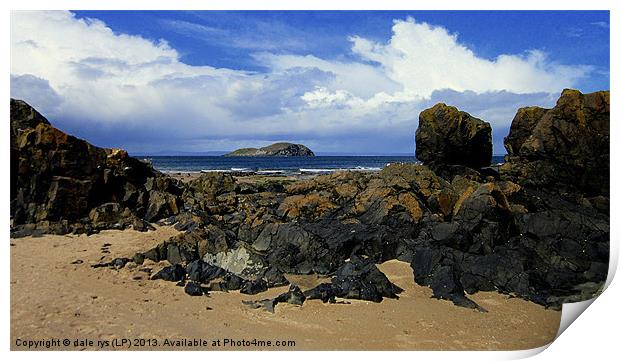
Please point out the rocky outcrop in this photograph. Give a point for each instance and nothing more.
(563, 149)
(461, 236)
(62, 184)
(461, 229)
(274, 150)
(446, 135)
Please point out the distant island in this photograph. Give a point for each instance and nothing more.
(281, 149)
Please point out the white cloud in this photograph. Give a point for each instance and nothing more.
(424, 58)
(98, 82)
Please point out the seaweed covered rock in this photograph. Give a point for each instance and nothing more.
(446, 135)
(563, 149)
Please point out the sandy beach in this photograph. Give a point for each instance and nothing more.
(56, 294)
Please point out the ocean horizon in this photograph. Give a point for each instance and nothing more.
(276, 165)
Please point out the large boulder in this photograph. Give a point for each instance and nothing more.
(563, 149)
(446, 135)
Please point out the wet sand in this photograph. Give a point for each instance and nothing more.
(53, 298)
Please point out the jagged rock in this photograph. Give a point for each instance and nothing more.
(435, 267)
(173, 273)
(361, 279)
(63, 184)
(356, 279)
(188, 221)
(435, 193)
(202, 272)
(324, 292)
(161, 205)
(210, 185)
(446, 135)
(252, 287)
(274, 278)
(141, 225)
(294, 296)
(486, 215)
(232, 282)
(108, 213)
(562, 149)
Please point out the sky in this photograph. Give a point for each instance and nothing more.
(156, 82)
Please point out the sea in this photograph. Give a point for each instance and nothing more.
(278, 165)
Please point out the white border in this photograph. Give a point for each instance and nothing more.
(594, 334)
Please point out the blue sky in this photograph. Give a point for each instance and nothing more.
(348, 81)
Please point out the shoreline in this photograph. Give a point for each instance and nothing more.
(249, 176)
(278, 175)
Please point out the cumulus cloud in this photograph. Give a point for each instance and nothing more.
(124, 90)
(425, 58)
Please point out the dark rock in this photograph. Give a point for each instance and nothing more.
(119, 262)
(173, 254)
(436, 268)
(361, 279)
(356, 279)
(161, 205)
(446, 135)
(275, 278)
(294, 296)
(324, 292)
(200, 271)
(108, 213)
(138, 258)
(252, 287)
(141, 225)
(153, 255)
(562, 149)
(232, 282)
(194, 289)
(172, 273)
(209, 185)
(64, 184)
